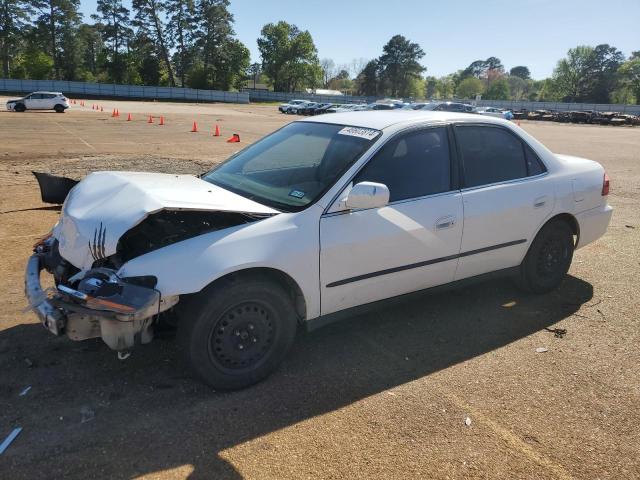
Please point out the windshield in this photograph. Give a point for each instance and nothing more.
(294, 166)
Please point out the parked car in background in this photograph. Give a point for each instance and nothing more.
(324, 108)
(320, 108)
(285, 107)
(320, 217)
(414, 106)
(295, 109)
(494, 112)
(40, 101)
(333, 108)
(385, 106)
(448, 107)
(312, 108)
(349, 107)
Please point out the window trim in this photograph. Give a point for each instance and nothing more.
(523, 143)
(454, 184)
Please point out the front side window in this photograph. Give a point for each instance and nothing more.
(293, 167)
(412, 165)
(489, 155)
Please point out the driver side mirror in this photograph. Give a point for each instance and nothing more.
(367, 195)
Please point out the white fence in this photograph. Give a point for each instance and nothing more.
(192, 94)
(126, 91)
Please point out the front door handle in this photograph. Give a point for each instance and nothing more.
(445, 222)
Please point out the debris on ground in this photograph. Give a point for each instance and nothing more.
(28, 361)
(25, 391)
(542, 349)
(557, 332)
(10, 438)
(630, 226)
(87, 414)
(467, 421)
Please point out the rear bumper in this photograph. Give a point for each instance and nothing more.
(593, 224)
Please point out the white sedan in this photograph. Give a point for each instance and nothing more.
(40, 101)
(320, 217)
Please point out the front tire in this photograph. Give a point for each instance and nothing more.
(59, 109)
(19, 107)
(548, 259)
(236, 333)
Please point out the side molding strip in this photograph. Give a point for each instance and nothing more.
(423, 264)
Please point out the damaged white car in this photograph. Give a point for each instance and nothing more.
(322, 216)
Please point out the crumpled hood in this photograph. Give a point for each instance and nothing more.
(105, 205)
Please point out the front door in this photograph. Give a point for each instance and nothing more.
(408, 245)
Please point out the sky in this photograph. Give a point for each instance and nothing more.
(453, 33)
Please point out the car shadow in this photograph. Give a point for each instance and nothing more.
(148, 414)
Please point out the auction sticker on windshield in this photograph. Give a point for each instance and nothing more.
(367, 133)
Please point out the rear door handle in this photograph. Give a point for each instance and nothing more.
(540, 201)
(445, 222)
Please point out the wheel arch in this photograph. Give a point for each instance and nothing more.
(569, 219)
(268, 274)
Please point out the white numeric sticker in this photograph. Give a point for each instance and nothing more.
(367, 133)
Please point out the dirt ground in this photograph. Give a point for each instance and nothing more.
(383, 395)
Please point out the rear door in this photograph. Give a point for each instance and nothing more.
(506, 197)
(408, 245)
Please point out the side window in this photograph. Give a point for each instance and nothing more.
(490, 155)
(412, 165)
(534, 164)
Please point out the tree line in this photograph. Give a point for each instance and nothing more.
(191, 43)
(156, 42)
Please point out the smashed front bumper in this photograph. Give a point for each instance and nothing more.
(119, 312)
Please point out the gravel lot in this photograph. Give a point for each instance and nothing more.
(383, 395)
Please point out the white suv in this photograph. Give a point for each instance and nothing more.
(40, 101)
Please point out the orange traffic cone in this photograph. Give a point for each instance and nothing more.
(150, 119)
(101, 109)
(129, 118)
(195, 127)
(235, 138)
(518, 123)
(117, 113)
(161, 120)
(217, 131)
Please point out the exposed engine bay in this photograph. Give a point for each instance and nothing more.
(90, 299)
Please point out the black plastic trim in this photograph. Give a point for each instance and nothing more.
(323, 320)
(423, 264)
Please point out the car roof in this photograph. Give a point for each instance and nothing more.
(52, 93)
(381, 119)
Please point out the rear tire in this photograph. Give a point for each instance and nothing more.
(59, 109)
(236, 333)
(548, 259)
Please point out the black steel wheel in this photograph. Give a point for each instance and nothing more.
(236, 332)
(242, 337)
(20, 107)
(548, 259)
(59, 109)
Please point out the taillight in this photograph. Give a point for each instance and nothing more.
(605, 185)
